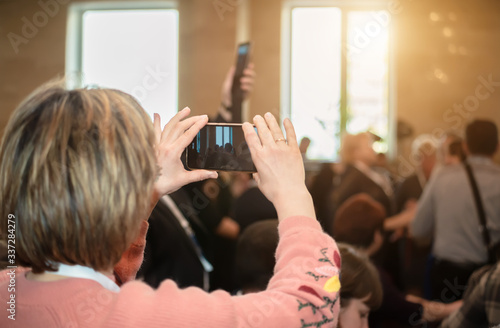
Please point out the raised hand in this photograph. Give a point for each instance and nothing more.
(170, 143)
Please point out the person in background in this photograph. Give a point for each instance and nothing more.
(359, 222)
(361, 290)
(424, 156)
(247, 82)
(423, 151)
(196, 219)
(81, 170)
(303, 146)
(481, 300)
(451, 149)
(447, 211)
(255, 260)
(358, 157)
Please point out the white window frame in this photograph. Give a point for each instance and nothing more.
(286, 60)
(74, 31)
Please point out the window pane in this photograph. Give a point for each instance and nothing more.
(315, 79)
(135, 51)
(368, 72)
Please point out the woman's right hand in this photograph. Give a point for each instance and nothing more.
(281, 176)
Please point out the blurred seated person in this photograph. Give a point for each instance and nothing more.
(252, 206)
(360, 288)
(359, 222)
(255, 260)
(361, 292)
(321, 188)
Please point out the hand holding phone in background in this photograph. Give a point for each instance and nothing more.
(237, 85)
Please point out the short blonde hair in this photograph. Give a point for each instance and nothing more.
(77, 170)
(351, 143)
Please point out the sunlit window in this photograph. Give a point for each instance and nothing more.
(339, 76)
(131, 49)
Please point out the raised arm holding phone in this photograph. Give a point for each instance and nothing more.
(80, 170)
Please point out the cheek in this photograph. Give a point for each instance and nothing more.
(349, 318)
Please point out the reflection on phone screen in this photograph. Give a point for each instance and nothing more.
(220, 147)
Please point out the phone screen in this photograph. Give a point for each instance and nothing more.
(220, 147)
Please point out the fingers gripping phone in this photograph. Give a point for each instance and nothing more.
(220, 147)
(242, 62)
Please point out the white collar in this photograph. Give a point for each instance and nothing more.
(80, 271)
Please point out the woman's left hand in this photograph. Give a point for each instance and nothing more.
(170, 143)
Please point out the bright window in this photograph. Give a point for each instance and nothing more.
(133, 48)
(336, 75)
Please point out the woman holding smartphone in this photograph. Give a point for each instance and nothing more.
(80, 170)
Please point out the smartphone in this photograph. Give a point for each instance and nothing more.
(220, 147)
(242, 61)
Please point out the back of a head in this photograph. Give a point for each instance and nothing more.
(255, 251)
(423, 146)
(481, 137)
(77, 170)
(351, 143)
(359, 278)
(357, 220)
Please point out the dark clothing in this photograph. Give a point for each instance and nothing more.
(410, 188)
(449, 280)
(353, 182)
(253, 206)
(169, 252)
(415, 254)
(321, 190)
(395, 310)
(481, 307)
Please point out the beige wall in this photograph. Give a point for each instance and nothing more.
(207, 44)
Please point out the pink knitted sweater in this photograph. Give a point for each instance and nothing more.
(304, 292)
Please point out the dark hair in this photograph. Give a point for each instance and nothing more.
(456, 149)
(255, 259)
(481, 137)
(359, 278)
(357, 220)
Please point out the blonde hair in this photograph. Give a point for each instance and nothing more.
(77, 170)
(350, 144)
